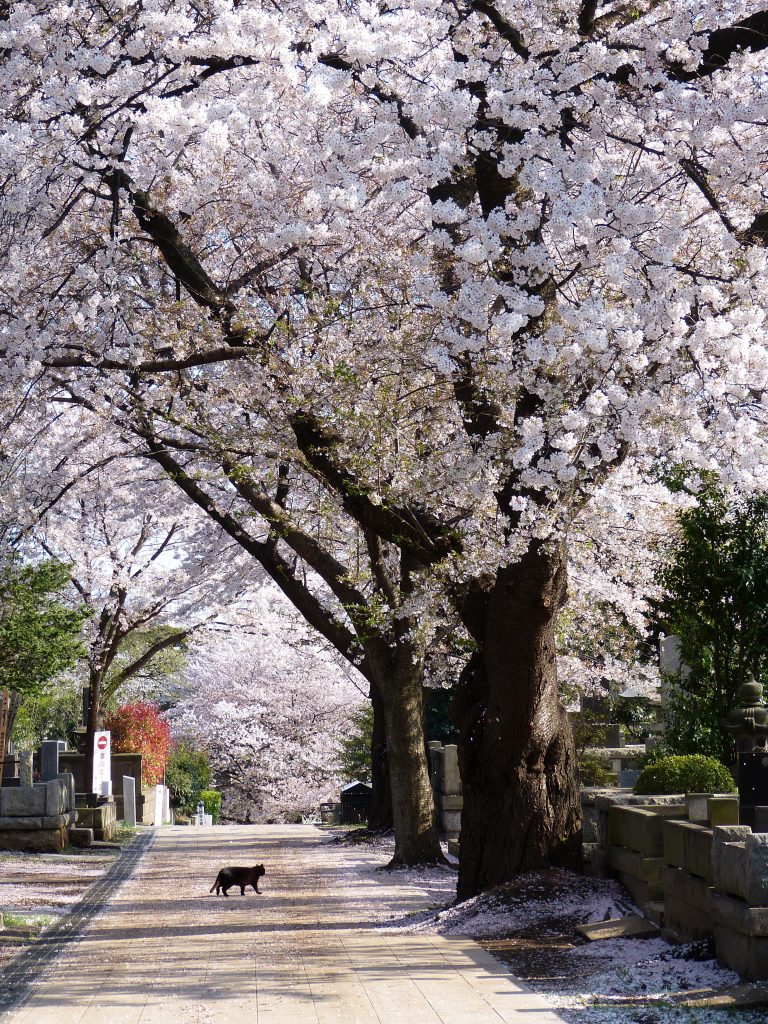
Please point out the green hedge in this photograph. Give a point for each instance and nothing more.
(594, 771)
(689, 773)
(212, 803)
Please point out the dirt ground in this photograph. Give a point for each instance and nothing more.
(36, 889)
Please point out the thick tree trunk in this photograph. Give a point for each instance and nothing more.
(380, 817)
(417, 840)
(516, 753)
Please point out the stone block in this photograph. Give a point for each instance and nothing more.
(637, 829)
(698, 851)
(25, 767)
(101, 819)
(756, 890)
(737, 915)
(68, 779)
(55, 797)
(450, 801)
(732, 870)
(646, 868)
(22, 801)
(49, 759)
(748, 955)
(673, 839)
(697, 807)
(674, 811)
(451, 822)
(81, 837)
(129, 800)
(16, 821)
(687, 902)
(722, 835)
(55, 820)
(589, 824)
(723, 810)
(642, 892)
(35, 840)
(451, 780)
(695, 891)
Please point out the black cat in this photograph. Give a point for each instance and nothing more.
(243, 877)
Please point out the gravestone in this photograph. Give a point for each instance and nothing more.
(25, 767)
(129, 800)
(49, 759)
(157, 818)
(451, 781)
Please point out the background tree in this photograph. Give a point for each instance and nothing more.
(355, 746)
(137, 728)
(715, 598)
(187, 774)
(148, 570)
(269, 712)
(41, 634)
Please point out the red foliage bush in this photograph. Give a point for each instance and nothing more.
(138, 728)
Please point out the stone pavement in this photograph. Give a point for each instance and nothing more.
(165, 952)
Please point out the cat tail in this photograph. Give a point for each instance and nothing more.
(215, 883)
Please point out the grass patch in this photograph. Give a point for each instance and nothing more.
(124, 833)
(27, 920)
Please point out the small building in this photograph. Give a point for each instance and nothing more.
(355, 803)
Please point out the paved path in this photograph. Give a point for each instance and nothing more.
(165, 952)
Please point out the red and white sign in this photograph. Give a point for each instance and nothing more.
(102, 764)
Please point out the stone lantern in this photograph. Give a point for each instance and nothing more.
(747, 722)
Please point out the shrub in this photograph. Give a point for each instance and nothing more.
(212, 803)
(687, 773)
(138, 729)
(187, 774)
(594, 771)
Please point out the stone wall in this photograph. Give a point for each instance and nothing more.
(37, 818)
(693, 869)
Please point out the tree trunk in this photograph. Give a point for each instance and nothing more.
(516, 752)
(380, 817)
(417, 840)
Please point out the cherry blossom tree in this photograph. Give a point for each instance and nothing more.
(147, 568)
(269, 707)
(451, 264)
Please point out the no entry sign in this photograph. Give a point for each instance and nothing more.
(102, 764)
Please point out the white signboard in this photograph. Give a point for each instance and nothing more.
(102, 764)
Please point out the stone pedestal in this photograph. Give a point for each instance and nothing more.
(37, 818)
